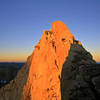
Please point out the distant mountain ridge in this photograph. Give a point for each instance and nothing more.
(11, 64)
(98, 62)
(8, 71)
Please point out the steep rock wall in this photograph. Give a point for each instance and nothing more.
(45, 71)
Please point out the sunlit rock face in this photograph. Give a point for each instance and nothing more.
(48, 58)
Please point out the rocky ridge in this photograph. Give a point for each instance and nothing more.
(60, 68)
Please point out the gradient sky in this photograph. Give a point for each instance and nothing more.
(22, 23)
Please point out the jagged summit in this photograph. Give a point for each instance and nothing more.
(59, 30)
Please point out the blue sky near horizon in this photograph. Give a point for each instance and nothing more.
(22, 22)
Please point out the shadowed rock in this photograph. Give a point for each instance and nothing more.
(14, 90)
(80, 76)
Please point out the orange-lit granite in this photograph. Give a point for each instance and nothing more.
(48, 57)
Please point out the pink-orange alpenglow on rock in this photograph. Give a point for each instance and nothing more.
(49, 56)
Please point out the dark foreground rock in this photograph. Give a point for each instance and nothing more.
(8, 72)
(14, 90)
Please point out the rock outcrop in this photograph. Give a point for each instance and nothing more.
(60, 69)
(45, 71)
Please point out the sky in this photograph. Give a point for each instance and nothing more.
(22, 23)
